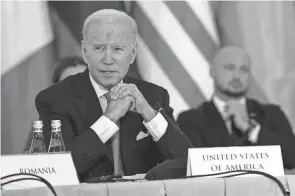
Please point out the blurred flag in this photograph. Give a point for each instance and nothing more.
(177, 41)
(25, 31)
(27, 58)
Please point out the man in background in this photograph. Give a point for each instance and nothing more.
(232, 119)
(68, 66)
(108, 122)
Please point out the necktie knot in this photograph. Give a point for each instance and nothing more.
(225, 108)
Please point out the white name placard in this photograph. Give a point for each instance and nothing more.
(203, 161)
(57, 168)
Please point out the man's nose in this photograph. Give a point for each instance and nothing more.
(236, 73)
(108, 57)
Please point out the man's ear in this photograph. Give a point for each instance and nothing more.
(84, 51)
(134, 52)
(212, 71)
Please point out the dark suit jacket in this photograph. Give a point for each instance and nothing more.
(205, 128)
(75, 103)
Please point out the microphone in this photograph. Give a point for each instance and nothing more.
(161, 110)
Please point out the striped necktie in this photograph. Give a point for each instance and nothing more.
(227, 119)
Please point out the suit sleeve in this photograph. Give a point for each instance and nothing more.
(174, 143)
(278, 131)
(84, 156)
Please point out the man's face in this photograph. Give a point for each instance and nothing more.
(108, 50)
(231, 74)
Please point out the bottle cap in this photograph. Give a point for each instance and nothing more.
(55, 123)
(38, 124)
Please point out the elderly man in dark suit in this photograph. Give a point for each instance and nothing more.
(232, 119)
(108, 122)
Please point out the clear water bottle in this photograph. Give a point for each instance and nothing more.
(56, 141)
(37, 144)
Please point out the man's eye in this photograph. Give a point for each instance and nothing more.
(118, 49)
(229, 67)
(99, 48)
(245, 69)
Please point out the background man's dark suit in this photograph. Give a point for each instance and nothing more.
(75, 102)
(205, 128)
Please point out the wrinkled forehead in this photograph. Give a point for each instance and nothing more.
(109, 31)
(234, 56)
(108, 27)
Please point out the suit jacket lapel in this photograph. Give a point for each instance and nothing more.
(88, 102)
(218, 134)
(89, 105)
(255, 111)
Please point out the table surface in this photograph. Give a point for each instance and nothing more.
(242, 186)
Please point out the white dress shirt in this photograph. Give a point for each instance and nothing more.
(220, 105)
(105, 128)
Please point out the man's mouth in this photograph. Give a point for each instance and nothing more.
(106, 72)
(236, 84)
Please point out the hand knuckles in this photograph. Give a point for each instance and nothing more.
(133, 86)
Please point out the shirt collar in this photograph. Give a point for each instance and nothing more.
(99, 90)
(220, 104)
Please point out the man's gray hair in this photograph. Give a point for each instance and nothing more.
(110, 16)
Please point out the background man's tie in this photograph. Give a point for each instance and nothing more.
(234, 132)
(115, 141)
(227, 119)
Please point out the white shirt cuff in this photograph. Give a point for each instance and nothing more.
(104, 128)
(253, 136)
(156, 127)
